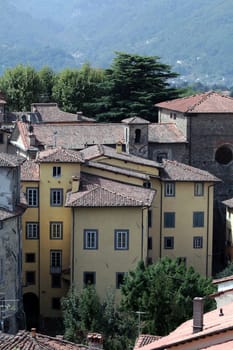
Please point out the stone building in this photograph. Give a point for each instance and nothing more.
(11, 208)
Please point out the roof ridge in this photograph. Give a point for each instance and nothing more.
(203, 98)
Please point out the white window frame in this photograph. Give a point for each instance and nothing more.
(121, 239)
(197, 242)
(55, 261)
(32, 196)
(56, 197)
(198, 189)
(169, 189)
(56, 230)
(90, 239)
(32, 230)
(57, 171)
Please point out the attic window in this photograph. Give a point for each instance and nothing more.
(223, 155)
(137, 136)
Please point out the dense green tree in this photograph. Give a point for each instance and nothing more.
(227, 271)
(164, 292)
(21, 86)
(132, 86)
(47, 79)
(74, 87)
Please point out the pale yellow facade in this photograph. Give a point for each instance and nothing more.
(148, 237)
(229, 232)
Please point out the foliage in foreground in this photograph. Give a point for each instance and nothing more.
(227, 271)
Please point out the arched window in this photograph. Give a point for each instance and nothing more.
(224, 155)
(137, 136)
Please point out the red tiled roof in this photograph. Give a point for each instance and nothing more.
(24, 341)
(101, 150)
(10, 160)
(59, 155)
(173, 170)
(30, 171)
(165, 133)
(145, 339)
(213, 325)
(135, 120)
(96, 191)
(208, 102)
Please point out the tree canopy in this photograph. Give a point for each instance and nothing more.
(132, 85)
(164, 292)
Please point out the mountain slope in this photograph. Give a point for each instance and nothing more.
(193, 36)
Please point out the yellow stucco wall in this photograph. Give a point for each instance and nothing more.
(106, 261)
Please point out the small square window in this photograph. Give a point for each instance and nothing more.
(56, 280)
(89, 278)
(56, 230)
(198, 219)
(32, 196)
(121, 239)
(169, 219)
(169, 189)
(30, 277)
(197, 242)
(161, 156)
(30, 257)
(168, 242)
(56, 197)
(119, 279)
(32, 230)
(56, 171)
(198, 189)
(56, 303)
(90, 239)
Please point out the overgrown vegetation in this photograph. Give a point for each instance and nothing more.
(161, 293)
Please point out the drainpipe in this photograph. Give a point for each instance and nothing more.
(207, 228)
(161, 213)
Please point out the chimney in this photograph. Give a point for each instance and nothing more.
(95, 341)
(75, 183)
(198, 311)
(33, 332)
(79, 115)
(119, 147)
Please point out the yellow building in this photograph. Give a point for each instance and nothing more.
(94, 214)
(229, 228)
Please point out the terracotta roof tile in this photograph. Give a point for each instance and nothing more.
(228, 203)
(165, 133)
(10, 160)
(145, 339)
(24, 340)
(135, 120)
(213, 324)
(101, 150)
(30, 171)
(208, 102)
(96, 191)
(59, 155)
(173, 170)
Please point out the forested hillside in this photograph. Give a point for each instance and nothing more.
(192, 36)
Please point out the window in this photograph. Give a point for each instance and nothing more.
(224, 155)
(137, 136)
(56, 197)
(89, 278)
(168, 242)
(119, 279)
(56, 230)
(30, 257)
(32, 230)
(32, 196)
(198, 189)
(56, 280)
(1, 269)
(161, 156)
(147, 184)
(55, 261)
(198, 219)
(197, 242)
(149, 218)
(56, 303)
(56, 171)
(121, 239)
(169, 219)
(150, 243)
(169, 189)
(90, 239)
(30, 277)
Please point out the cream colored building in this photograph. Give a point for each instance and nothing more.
(229, 228)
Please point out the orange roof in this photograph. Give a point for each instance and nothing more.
(208, 102)
(213, 325)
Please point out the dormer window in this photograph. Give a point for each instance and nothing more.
(137, 136)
